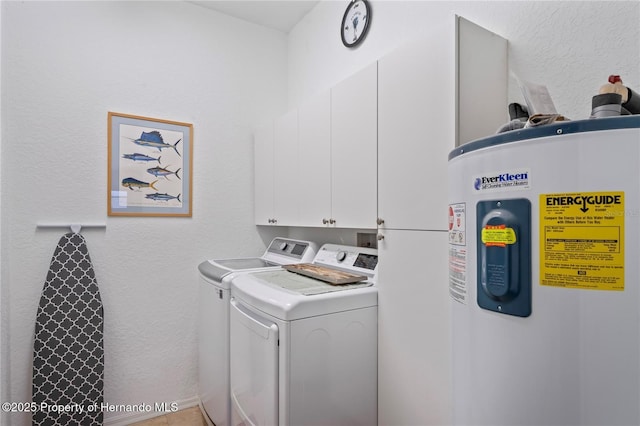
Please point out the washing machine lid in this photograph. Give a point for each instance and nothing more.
(242, 264)
(289, 296)
(281, 251)
(218, 269)
(305, 286)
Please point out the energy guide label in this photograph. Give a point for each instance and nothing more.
(582, 240)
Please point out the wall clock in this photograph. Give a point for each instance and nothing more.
(355, 22)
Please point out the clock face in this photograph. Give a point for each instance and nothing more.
(355, 22)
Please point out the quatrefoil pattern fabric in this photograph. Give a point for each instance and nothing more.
(68, 361)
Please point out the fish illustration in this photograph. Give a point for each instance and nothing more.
(135, 183)
(154, 139)
(140, 157)
(163, 197)
(160, 171)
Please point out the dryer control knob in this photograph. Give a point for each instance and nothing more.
(283, 246)
(342, 255)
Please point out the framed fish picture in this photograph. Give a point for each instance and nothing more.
(150, 166)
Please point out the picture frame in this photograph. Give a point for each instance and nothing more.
(150, 166)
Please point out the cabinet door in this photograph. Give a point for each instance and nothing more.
(263, 167)
(414, 355)
(482, 70)
(314, 143)
(354, 139)
(416, 125)
(285, 172)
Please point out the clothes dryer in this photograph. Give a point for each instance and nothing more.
(303, 351)
(213, 334)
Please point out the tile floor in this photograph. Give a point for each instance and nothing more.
(187, 417)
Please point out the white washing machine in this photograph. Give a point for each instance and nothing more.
(215, 278)
(304, 352)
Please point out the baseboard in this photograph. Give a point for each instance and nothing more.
(125, 415)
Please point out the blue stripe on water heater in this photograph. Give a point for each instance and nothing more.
(554, 129)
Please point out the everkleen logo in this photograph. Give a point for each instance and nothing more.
(515, 179)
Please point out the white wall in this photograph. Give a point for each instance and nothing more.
(569, 46)
(64, 66)
(3, 304)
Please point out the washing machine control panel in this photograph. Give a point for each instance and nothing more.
(294, 249)
(352, 259)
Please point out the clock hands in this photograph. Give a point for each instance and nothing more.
(355, 20)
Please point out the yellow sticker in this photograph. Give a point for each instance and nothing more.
(582, 240)
(498, 235)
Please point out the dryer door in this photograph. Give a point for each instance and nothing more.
(254, 367)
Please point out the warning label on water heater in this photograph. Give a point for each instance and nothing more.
(458, 252)
(582, 240)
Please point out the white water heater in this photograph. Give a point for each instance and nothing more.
(544, 275)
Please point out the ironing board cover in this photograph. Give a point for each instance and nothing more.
(68, 352)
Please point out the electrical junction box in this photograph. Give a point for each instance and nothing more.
(504, 256)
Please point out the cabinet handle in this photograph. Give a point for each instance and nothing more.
(325, 221)
(332, 221)
(380, 237)
(380, 221)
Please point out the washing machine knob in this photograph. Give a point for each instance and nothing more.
(283, 246)
(341, 255)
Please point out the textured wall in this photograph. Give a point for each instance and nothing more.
(569, 46)
(4, 349)
(64, 66)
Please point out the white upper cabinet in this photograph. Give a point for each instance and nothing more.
(287, 182)
(374, 148)
(314, 145)
(429, 95)
(276, 171)
(354, 154)
(416, 86)
(263, 177)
